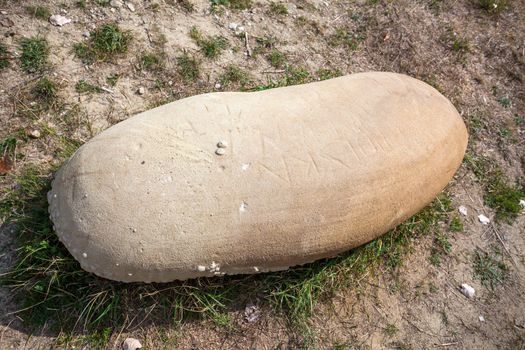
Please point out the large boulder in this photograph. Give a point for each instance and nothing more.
(230, 183)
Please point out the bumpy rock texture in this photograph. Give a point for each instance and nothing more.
(229, 183)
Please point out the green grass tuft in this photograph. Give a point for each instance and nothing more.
(45, 91)
(489, 269)
(4, 57)
(83, 87)
(152, 61)
(39, 12)
(342, 37)
(211, 47)
(234, 74)
(188, 67)
(34, 56)
(112, 79)
(105, 43)
(276, 58)
(499, 194)
(492, 6)
(278, 8)
(233, 4)
(325, 74)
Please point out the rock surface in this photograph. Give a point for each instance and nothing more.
(310, 171)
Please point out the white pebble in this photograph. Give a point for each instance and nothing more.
(467, 290)
(59, 20)
(481, 318)
(483, 219)
(243, 207)
(222, 144)
(201, 268)
(220, 151)
(131, 7)
(84, 255)
(131, 344)
(522, 203)
(463, 210)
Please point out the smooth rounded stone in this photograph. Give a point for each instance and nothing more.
(310, 171)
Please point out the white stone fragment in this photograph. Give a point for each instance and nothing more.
(115, 3)
(483, 219)
(463, 210)
(252, 313)
(59, 20)
(220, 151)
(130, 6)
(481, 318)
(201, 268)
(131, 344)
(467, 290)
(245, 166)
(222, 144)
(243, 207)
(522, 203)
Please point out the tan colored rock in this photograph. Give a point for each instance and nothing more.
(309, 171)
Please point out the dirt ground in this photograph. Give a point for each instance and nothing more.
(474, 57)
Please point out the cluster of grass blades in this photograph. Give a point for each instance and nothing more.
(51, 286)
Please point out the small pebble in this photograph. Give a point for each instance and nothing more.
(131, 344)
(141, 90)
(115, 3)
(222, 144)
(252, 313)
(131, 7)
(522, 203)
(218, 85)
(483, 219)
(34, 134)
(59, 20)
(463, 210)
(220, 151)
(467, 290)
(481, 319)
(201, 268)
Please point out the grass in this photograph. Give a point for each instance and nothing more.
(186, 5)
(152, 61)
(489, 269)
(210, 47)
(499, 194)
(233, 4)
(45, 91)
(325, 73)
(492, 6)
(34, 56)
(112, 79)
(278, 8)
(276, 58)
(83, 87)
(105, 43)
(460, 44)
(188, 67)
(342, 37)
(234, 74)
(4, 57)
(40, 12)
(51, 286)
